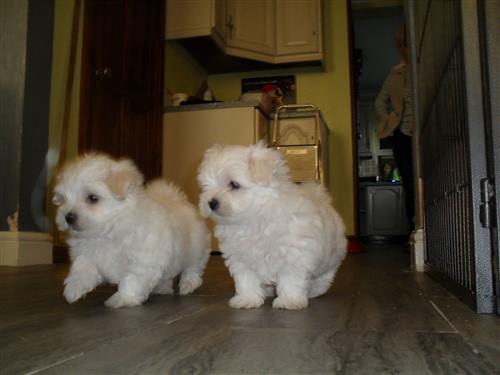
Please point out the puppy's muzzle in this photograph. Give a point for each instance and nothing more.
(213, 204)
(70, 218)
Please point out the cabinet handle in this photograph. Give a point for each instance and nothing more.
(230, 26)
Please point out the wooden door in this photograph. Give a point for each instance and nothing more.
(122, 80)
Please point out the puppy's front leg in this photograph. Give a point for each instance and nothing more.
(83, 277)
(292, 290)
(249, 293)
(134, 288)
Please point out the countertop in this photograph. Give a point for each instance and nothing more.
(238, 104)
(216, 105)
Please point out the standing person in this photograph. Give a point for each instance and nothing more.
(394, 105)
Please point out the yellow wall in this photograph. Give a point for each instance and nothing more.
(182, 72)
(330, 91)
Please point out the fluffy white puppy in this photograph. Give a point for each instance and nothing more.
(124, 233)
(273, 233)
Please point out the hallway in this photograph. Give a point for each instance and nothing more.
(379, 317)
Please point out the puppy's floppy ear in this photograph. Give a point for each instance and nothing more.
(263, 163)
(123, 176)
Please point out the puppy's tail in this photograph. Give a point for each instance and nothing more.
(160, 189)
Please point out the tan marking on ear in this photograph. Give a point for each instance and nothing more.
(262, 170)
(119, 183)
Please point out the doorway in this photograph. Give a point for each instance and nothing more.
(381, 196)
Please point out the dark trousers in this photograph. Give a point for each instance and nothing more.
(402, 148)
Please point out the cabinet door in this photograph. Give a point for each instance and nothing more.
(187, 135)
(298, 25)
(251, 25)
(220, 21)
(384, 210)
(187, 19)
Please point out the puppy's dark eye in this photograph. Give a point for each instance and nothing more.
(234, 185)
(92, 199)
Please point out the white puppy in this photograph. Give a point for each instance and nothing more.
(123, 233)
(272, 232)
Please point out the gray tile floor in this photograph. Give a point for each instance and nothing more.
(379, 317)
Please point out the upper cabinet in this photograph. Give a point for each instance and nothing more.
(219, 21)
(251, 27)
(188, 18)
(297, 27)
(271, 31)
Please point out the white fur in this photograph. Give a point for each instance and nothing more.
(137, 237)
(272, 232)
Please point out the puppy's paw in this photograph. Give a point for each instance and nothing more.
(189, 284)
(118, 300)
(290, 303)
(73, 291)
(245, 302)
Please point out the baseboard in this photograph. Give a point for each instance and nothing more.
(25, 248)
(417, 250)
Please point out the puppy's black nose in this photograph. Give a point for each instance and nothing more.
(70, 218)
(213, 204)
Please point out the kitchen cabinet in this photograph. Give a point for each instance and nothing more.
(188, 131)
(219, 28)
(274, 31)
(251, 27)
(271, 31)
(297, 27)
(382, 210)
(187, 19)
